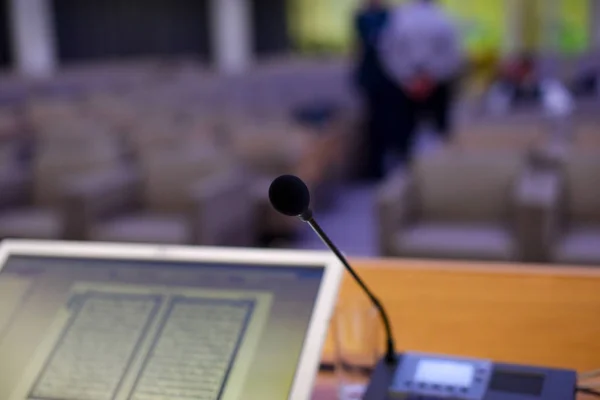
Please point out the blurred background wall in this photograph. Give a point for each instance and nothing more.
(70, 31)
(90, 31)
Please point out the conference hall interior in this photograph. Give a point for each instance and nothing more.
(165, 121)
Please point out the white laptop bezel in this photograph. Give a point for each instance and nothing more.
(310, 358)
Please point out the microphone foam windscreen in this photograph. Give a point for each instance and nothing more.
(289, 195)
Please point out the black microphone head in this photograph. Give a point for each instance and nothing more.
(290, 196)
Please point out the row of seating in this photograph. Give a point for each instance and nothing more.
(123, 168)
(486, 197)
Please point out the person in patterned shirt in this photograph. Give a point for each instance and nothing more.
(422, 50)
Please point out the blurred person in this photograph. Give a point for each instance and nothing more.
(521, 77)
(586, 82)
(422, 51)
(374, 85)
(521, 82)
(516, 83)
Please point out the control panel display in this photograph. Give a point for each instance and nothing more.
(438, 377)
(440, 372)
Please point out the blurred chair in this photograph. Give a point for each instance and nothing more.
(575, 233)
(41, 113)
(459, 205)
(499, 137)
(534, 140)
(157, 133)
(76, 134)
(175, 198)
(32, 203)
(324, 165)
(587, 136)
(527, 138)
(8, 154)
(580, 136)
(268, 154)
(10, 125)
(115, 110)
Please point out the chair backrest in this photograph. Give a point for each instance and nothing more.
(270, 152)
(52, 168)
(168, 178)
(466, 186)
(9, 123)
(587, 137)
(582, 194)
(7, 154)
(500, 137)
(153, 133)
(71, 137)
(42, 112)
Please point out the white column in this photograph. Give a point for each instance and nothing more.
(231, 31)
(33, 37)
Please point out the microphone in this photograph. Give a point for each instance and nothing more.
(290, 196)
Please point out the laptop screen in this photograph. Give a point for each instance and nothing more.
(105, 329)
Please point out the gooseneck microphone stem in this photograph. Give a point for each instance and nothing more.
(290, 196)
(390, 354)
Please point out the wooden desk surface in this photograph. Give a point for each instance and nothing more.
(511, 313)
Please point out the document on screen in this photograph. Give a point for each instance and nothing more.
(194, 350)
(129, 342)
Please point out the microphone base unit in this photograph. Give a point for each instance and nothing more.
(419, 376)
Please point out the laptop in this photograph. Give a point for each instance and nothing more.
(86, 321)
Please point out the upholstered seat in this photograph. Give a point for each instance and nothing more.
(268, 155)
(460, 205)
(576, 235)
(438, 240)
(579, 246)
(32, 203)
(31, 223)
(144, 228)
(177, 198)
(498, 136)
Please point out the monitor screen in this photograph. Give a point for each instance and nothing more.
(98, 329)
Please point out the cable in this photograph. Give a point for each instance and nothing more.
(588, 391)
(589, 374)
(331, 367)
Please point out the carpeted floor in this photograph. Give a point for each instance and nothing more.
(350, 223)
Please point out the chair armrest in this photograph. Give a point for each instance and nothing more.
(537, 201)
(15, 187)
(394, 207)
(223, 210)
(92, 196)
(550, 154)
(259, 188)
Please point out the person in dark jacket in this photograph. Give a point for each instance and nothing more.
(375, 87)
